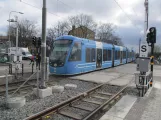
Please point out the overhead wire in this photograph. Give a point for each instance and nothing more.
(135, 12)
(38, 8)
(120, 8)
(127, 15)
(72, 7)
(64, 3)
(67, 5)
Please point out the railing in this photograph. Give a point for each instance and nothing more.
(23, 83)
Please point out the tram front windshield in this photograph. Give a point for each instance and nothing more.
(59, 52)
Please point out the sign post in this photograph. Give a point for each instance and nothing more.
(144, 50)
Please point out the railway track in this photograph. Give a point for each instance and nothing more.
(82, 107)
(13, 86)
(2, 92)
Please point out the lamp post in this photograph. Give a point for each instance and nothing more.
(11, 20)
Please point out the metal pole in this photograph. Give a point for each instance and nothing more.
(139, 46)
(146, 19)
(152, 62)
(144, 41)
(16, 40)
(47, 68)
(9, 36)
(9, 31)
(32, 68)
(22, 69)
(6, 86)
(43, 47)
(37, 76)
(9, 67)
(16, 67)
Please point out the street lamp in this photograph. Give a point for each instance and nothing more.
(11, 20)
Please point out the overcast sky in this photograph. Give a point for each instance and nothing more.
(130, 26)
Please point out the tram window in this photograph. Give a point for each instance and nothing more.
(76, 52)
(109, 55)
(124, 54)
(118, 55)
(115, 55)
(104, 55)
(88, 55)
(93, 55)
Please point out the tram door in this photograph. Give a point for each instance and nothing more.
(99, 58)
(120, 56)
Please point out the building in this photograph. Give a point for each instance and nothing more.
(3, 39)
(82, 32)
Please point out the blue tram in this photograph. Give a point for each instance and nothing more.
(72, 55)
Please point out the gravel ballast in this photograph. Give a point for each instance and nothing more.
(34, 105)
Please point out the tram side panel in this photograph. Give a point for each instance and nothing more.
(107, 56)
(116, 55)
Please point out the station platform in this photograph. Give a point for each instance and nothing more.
(144, 108)
(148, 107)
(120, 109)
(119, 75)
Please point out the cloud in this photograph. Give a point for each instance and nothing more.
(130, 24)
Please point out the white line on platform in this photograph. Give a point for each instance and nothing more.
(120, 109)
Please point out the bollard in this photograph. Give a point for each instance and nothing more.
(39, 65)
(9, 69)
(32, 68)
(22, 69)
(37, 70)
(47, 68)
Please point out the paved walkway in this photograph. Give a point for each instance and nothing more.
(119, 75)
(120, 109)
(149, 107)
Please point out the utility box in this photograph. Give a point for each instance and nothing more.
(143, 64)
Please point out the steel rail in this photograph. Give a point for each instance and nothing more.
(13, 89)
(89, 117)
(56, 107)
(53, 109)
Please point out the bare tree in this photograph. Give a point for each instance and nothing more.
(157, 49)
(117, 40)
(51, 33)
(83, 21)
(61, 28)
(27, 29)
(106, 33)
